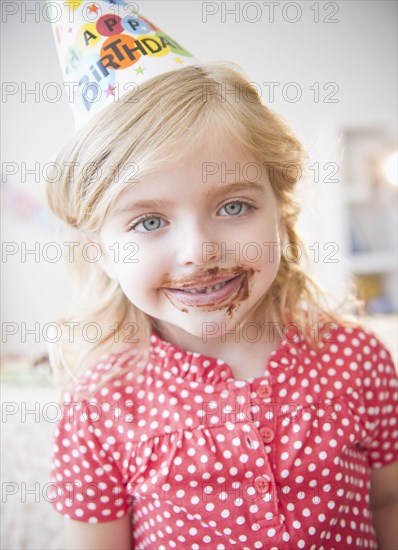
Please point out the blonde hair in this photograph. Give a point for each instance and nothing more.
(154, 125)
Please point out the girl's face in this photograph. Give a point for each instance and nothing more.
(213, 217)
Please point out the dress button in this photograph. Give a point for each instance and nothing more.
(267, 435)
(262, 484)
(264, 391)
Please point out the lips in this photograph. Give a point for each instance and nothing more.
(203, 283)
(202, 294)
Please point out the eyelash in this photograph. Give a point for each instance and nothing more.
(250, 206)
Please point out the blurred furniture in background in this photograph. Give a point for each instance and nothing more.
(28, 420)
(370, 196)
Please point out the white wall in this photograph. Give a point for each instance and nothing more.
(358, 53)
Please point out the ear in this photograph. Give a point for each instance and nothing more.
(105, 261)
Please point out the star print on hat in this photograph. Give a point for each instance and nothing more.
(107, 49)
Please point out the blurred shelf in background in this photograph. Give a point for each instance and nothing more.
(370, 199)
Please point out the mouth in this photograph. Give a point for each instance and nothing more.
(207, 295)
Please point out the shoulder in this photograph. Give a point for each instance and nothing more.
(352, 341)
(111, 373)
(99, 408)
(363, 363)
(351, 356)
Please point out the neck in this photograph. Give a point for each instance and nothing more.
(245, 350)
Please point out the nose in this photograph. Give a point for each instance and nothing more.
(197, 244)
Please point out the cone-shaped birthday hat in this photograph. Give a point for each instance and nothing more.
(106, 50)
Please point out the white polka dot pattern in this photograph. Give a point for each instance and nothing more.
(206, 461)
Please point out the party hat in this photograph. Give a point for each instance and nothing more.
(107, 49)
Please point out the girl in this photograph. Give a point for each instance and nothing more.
(222, 405)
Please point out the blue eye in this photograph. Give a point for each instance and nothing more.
(236, 207)
(147, 222)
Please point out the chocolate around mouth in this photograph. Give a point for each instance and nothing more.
(231, 301)
(213, 273)
(203, 290)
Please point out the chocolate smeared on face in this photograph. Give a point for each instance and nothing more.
(231, 303)
(243, 292)
(167, 282)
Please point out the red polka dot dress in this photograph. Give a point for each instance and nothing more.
(203, 461)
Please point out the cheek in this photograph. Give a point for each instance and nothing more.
(262, 249)
(139, 275)
(139, 289)
(266, 270)
(130, 259)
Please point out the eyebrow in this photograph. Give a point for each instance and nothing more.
(215, 191)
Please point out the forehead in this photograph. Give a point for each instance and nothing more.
(209, 165)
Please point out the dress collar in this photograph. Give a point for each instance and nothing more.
(166, 357)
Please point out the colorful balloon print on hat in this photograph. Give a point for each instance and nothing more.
(106, 49)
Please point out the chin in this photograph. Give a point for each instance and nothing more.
(211, 327)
